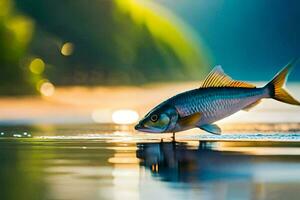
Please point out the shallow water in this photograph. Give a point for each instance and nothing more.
(97, 162)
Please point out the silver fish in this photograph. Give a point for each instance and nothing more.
(217, 98)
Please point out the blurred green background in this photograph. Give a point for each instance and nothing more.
(133, 42)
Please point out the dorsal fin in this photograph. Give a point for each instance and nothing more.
(217, 78)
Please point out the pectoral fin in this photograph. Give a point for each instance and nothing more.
(211, 128)
(190, 120)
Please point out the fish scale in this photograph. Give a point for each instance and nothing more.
(215, 103)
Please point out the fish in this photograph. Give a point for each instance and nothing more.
(218, 97)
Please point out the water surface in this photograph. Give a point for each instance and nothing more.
(69, 162)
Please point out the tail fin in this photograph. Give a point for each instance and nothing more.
(275, 86)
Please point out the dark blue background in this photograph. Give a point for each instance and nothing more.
(251, 39)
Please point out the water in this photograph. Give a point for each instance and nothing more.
(98, 162)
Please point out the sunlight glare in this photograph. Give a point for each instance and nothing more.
(101, 115)
(125, 116)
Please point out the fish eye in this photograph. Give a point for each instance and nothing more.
(154, 118)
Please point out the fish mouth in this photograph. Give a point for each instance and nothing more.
(142, 128)
(138, 127)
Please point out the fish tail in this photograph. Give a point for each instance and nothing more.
(275, 86)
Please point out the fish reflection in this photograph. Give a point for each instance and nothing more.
(208, 171)
(177, 162)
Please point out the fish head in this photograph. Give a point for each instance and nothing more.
(160, 119)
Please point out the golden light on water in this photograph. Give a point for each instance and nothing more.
(67, 49)
(124, 158)
(261, 150)
(37, 66)
(47, 89)
(126, 166)
(125, 116)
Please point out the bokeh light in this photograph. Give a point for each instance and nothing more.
(125, 116)
(37, 66)
(67, 49)
(101, 115)
(47, 89)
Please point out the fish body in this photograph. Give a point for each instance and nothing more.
(217, 98)
(214, 103)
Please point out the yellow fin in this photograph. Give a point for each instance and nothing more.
(190, 120)
(275, 86)
(217, 78)
(284, 96)
(249, 107)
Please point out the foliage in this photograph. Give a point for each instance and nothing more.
(15, 35)
(94, 42)
(110, 45)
